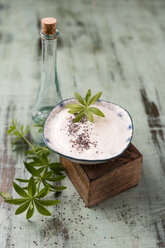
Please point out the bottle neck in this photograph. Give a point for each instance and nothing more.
(49, 55)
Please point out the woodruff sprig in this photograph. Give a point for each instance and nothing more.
(83, 108)
(44, 174)
(31, 198)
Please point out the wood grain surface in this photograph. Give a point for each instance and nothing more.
(114, 46)
(98, 182)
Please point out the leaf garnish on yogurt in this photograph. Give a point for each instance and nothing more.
(83, 106)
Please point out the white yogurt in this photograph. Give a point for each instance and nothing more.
(103, 138)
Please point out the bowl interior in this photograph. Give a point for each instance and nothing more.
(117, 137)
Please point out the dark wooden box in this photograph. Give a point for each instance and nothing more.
(96, 183)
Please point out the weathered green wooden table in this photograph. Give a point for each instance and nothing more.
(114, 46)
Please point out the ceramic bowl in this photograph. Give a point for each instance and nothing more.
(122, 116)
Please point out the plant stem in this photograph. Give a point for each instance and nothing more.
(26, 140)
(28, 143)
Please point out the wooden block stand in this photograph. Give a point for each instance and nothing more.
(96, 183)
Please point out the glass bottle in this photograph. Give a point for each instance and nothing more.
(49, 93)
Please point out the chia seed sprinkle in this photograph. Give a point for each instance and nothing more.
(80, 134)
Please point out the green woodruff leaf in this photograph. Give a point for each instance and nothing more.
(41, 176)
(83, 108)
(5, 195)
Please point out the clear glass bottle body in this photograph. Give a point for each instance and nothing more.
(49, 93)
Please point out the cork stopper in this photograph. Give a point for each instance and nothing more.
(48, 25)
